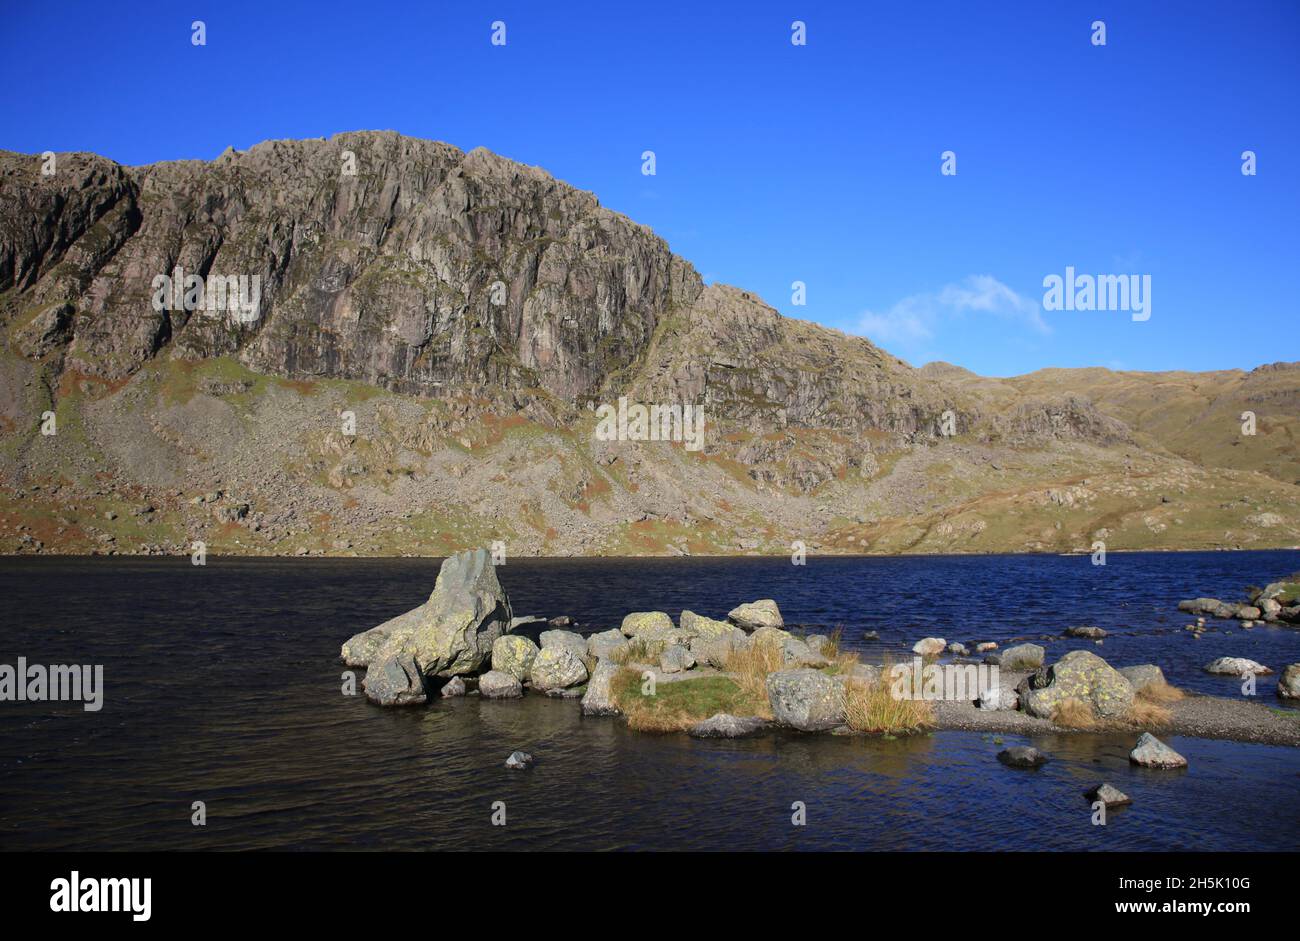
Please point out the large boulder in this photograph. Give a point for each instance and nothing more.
(1084, 676)
(556, 668)
(606, 644)
(1143, 675)
(755, 614)
(498, 684)
(571, 641)
(1150, 752)
(1236, 666)
(598, 700)
(1022, 657)
(805, 699)
(647, 624)
(360, 649)
(696, 625)
(1288, 685)
(452, 635)
(514, 654)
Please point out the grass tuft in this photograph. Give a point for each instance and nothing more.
(1074, 714)
(874, 708)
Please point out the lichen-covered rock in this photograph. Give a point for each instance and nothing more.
(930, 646)
(1288, 685)
(1150, 752)
(452, 635)
(556, 668)
(514, 654)
(1236, 666)
(1022, 657)
(598, 700)
(1084, 676)
(724, 725)
(696, 625)
(676, 659)
(606, 644)
(805, 699)
(572, 641)
(755, 614)
(1143, 675)
(647, 624)
(498, 684)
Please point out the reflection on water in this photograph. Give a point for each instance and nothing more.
(223, 685)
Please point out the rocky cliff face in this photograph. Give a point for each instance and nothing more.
(471, 312)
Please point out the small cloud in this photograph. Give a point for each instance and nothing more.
(914, 319)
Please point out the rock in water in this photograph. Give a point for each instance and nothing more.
(1090, 633)
(1236, 666)
(930, 646)
(598, 700)
(519, 759)
(755, 614)
(452, 634)
(497, 684)
(556, 668)
(1288, 687)
(1084, 676)
(513, 654)
(1150, 752)
(724, 725)
(360, 649)
(1022, 657)
(807, 700)
(1110, 796)
(1022, 756)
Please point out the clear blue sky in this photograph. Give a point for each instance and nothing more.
(779, 163)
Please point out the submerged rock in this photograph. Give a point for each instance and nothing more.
(1110, 796)
(1150, 752)
(755, 614)
(724, 725)
(1022, 756)
(805, 699)
(452, 633)
(1084, 676)
(497, 684)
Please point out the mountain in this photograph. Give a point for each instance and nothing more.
(427, 342)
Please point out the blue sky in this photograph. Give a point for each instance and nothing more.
(778, 163)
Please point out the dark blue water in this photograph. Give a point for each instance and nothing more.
(223, 686)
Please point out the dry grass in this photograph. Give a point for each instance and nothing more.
(1149, 714)
(1160, 692)
(874, 708)
(1074, 714)
(750, 666)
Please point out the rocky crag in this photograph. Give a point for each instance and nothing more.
(432, 335)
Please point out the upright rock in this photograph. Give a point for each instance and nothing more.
(451, 635)
(807, 700)
(1150, 752)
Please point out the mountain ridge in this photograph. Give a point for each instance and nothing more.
(383, 290)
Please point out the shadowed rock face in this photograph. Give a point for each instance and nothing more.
(384, 276)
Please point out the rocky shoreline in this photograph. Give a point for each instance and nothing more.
(740, 676)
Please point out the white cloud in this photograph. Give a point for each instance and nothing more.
(915, 319)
